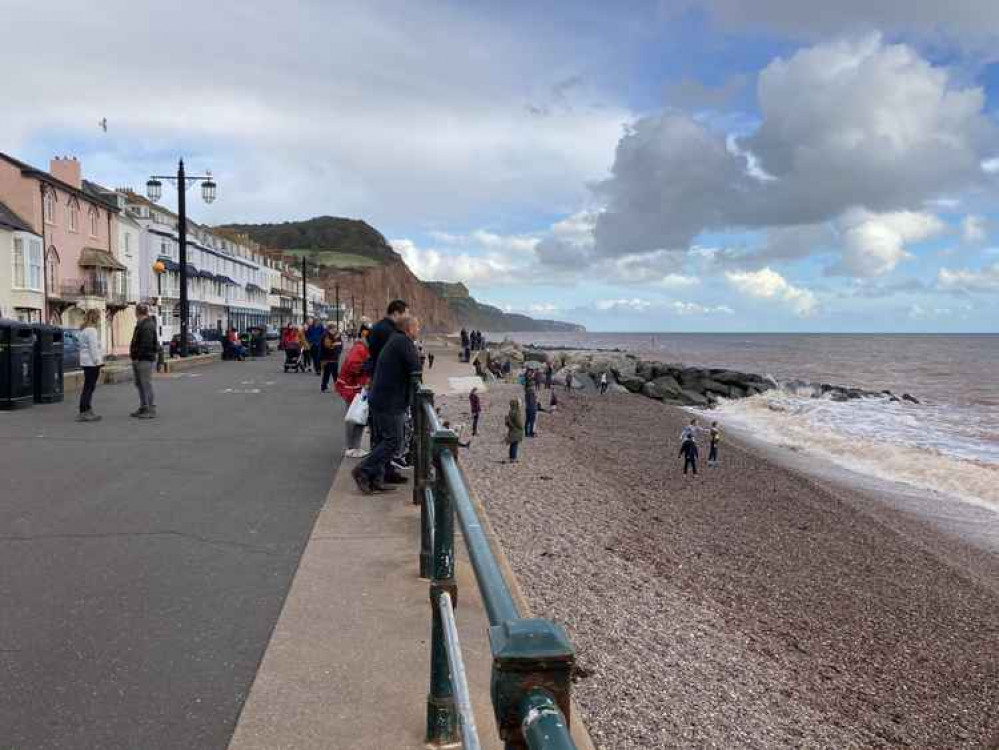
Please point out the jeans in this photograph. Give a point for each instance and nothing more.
(713, 453)
(329, 371)
(513, 450)
(389, 428)
(90, 377)
(142, 374)
(314, 359)
(691, 462)
(530, 417)
(475, 423)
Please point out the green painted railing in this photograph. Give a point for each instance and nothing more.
(532, 658)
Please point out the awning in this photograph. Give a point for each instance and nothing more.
(92, 257)
(206, 274)
(226, 280)
(169, 264)
(254, 288)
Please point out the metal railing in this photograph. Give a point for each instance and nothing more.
(532, 657)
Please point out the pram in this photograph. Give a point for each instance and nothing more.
(294, 359)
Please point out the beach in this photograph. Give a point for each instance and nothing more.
(749, 606)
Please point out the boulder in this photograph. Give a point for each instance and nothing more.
(732, 377)
(623, 368)
(692, 398)
(666, 386)
(536, 355)
(649, 390)
(910, 398)
(734, 391)
(632, 383)
(615, 388)
(690, 377)
(645, 370)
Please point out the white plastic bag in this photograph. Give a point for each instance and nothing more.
(358, 410)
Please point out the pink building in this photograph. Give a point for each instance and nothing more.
(76, 223)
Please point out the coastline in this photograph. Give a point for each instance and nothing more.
(752, 606)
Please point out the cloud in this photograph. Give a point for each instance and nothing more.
(974, 229)
(432, 265)
(693, 308)
(768, 284)
(983, 280)
(678, 281)
(631, 305)
(846, 125)
(874, 244)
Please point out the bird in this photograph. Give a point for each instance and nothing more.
(103, 124)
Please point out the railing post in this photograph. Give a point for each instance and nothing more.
(442, 720)
(421, 476)
(530, 657)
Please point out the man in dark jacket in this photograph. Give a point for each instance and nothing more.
(314, 335)
(383, 330)
(143, 350)
(388, 401)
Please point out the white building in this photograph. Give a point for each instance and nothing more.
(22, 292)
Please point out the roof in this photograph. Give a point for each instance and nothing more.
(43, 176)
(94, 257)
(12, 221)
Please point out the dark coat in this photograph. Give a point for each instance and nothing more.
(380, 334)
(145, 343)
(397, 363)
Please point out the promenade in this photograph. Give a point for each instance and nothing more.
(143, 564)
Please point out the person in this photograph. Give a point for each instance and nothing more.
(530, 406)
(549, 375)
(568, 380)
(688, 449)
(714, 439)
(330, 349)
(603, 383)
(430, 360)
(689, 431)
(352, 379)
(384, 330)
(476, 405)
(314, 335)
(553, 401)
(388, 402)
(142, 351)
(289, 337)
(514, 429)
(303, 346)
(235, 345)
(466, 346)
(538, 379)
(91, 361)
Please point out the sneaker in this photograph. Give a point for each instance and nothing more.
(91, 417)
(399, 464)
(355, 453)
(82, 417)
(149, 413)
(138, 412)
(396, 479)
(363, 483)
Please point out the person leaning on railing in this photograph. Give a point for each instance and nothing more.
(388, 401)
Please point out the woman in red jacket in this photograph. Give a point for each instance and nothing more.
(349, 383)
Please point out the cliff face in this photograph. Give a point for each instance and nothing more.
(471, 313)
(370, 290)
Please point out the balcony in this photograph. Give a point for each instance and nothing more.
(113, 292)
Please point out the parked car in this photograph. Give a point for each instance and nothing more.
(273, 334)
(70, 349)
(195, 344)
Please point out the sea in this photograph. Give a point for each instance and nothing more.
(945, 449)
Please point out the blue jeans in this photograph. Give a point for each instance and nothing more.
(388, 429)
(513, 451)
(531, 416)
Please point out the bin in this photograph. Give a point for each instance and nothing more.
(48, 364)
(17, 364)
(258, 343)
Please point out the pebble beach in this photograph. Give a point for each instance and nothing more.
(749, 606)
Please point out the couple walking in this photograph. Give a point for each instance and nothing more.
(143, 351)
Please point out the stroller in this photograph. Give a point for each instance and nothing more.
(294, 359)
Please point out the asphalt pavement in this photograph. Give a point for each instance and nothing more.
(143, 564)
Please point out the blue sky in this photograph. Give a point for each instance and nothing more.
(695, 165)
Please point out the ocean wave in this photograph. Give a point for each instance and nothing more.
(932, 448)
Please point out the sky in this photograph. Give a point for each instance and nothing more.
(645, 165)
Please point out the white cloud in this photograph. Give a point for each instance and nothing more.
(768, 284)
(632, 305)
(693, 308)
(678, 281)
(874, 244)
(432, 265)
(974, 229)
(983, 280)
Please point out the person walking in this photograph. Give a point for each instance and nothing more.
(303, 346)
(549, 375)
(330, 349)
(476, 405)
(314, 335)
(351, 381)
(388, 402)
(91, 361)
(142, 351)
(688, 449)
(568, 381)
(430, 360)
(530, 407)
(714, 439)
(514, 429)
(603, 383)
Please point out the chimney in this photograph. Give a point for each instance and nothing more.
(68, 170)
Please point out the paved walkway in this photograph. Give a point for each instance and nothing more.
(143, 565)
(349, 663)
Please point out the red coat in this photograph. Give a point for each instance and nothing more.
(352, 376)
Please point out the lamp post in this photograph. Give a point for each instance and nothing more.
(158, 268)
(305, 308)
(154, 189)
(338, 307)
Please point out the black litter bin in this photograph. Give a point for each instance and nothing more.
(48, 364)
(258, 343)
(17, 365)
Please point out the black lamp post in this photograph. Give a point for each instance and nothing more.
(154, 189)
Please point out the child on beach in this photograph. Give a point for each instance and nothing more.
(688, 449)
(713, 446)
(514, 429)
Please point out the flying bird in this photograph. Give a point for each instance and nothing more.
(103, 124)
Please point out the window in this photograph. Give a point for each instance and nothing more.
(35, 265)
(52, 270)
(128, 244)
(48, 206)
(19, 263)
(74, 215)
(93, 221)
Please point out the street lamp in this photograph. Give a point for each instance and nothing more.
(154, 189)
